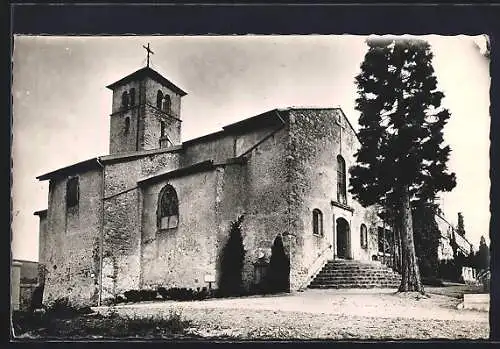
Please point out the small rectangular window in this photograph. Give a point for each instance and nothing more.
(162, 128)
(317, 222)
(72, 192)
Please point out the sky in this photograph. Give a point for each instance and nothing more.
(61, 106)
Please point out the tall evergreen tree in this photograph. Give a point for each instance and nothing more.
(233, 256)
(401, 160)
(427, 237)
(483, 255)
(460, 225)
(278, 274)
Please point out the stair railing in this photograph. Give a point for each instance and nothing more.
(316, 266)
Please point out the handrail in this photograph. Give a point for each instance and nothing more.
(311, 275)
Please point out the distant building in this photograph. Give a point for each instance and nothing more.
(449, 238)
(28, 280)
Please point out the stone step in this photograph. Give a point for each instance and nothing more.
(353, 277)
(343, 279)
(353, 280)
(357, 271)
(323, 286)
(377, 276)
(356, 274)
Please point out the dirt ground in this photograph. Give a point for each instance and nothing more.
(324, 314)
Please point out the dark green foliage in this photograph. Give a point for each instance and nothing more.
(148, 295)
(432, 281)
(132, 296)
(173, 293)
(36, 298)
(460, 226)
(402, 160)
(62, 308)
(184, 294)
(112, 325)
(401, 125)
(278, 273)
(232, 259)
(483, 255)
(451, 270)
(427, 235)
(139, 295)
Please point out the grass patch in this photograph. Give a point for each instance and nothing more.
(94, 325)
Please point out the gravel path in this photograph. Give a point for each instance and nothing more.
(324, 314)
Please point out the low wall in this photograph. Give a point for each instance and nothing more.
(26, 295)
(479, 301)
(15, 280)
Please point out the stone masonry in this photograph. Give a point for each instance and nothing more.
(273, 169)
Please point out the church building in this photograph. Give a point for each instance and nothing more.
(157, 211)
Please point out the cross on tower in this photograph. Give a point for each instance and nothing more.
(149, 51)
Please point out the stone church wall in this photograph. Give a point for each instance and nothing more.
(182, 256)
(223, 147)
(315, 141)
(264, 190)
(218, 149)
(122, 228)
(70, 245)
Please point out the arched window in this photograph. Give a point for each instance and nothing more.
(127, 125)
(168, 208)
(125, 99)
(166, 104)
(363, 236)
(341, 181)
(159, 99)
(132, 97)
(317, 222)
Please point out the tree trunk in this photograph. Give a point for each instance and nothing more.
(410, 278)
(396, 226)
(394, 247)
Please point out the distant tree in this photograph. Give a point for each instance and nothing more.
(460, 226)
(233, 256)
(401, 160)
(427, 237)
(278, 273)
(483, 255)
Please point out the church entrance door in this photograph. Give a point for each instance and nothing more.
(343, 238)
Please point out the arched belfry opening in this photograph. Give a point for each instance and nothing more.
(343, 239)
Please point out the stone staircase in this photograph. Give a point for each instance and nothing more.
(355, 274)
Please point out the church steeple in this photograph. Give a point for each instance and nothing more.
(145, 111)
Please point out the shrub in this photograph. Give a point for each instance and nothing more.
(147, 295)
(278, 274)
(231, 262)
(183, 294)
(172, 324)
(432, 281)
(132, 296)
(62, 308)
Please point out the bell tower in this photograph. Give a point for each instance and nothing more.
(145, 112)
